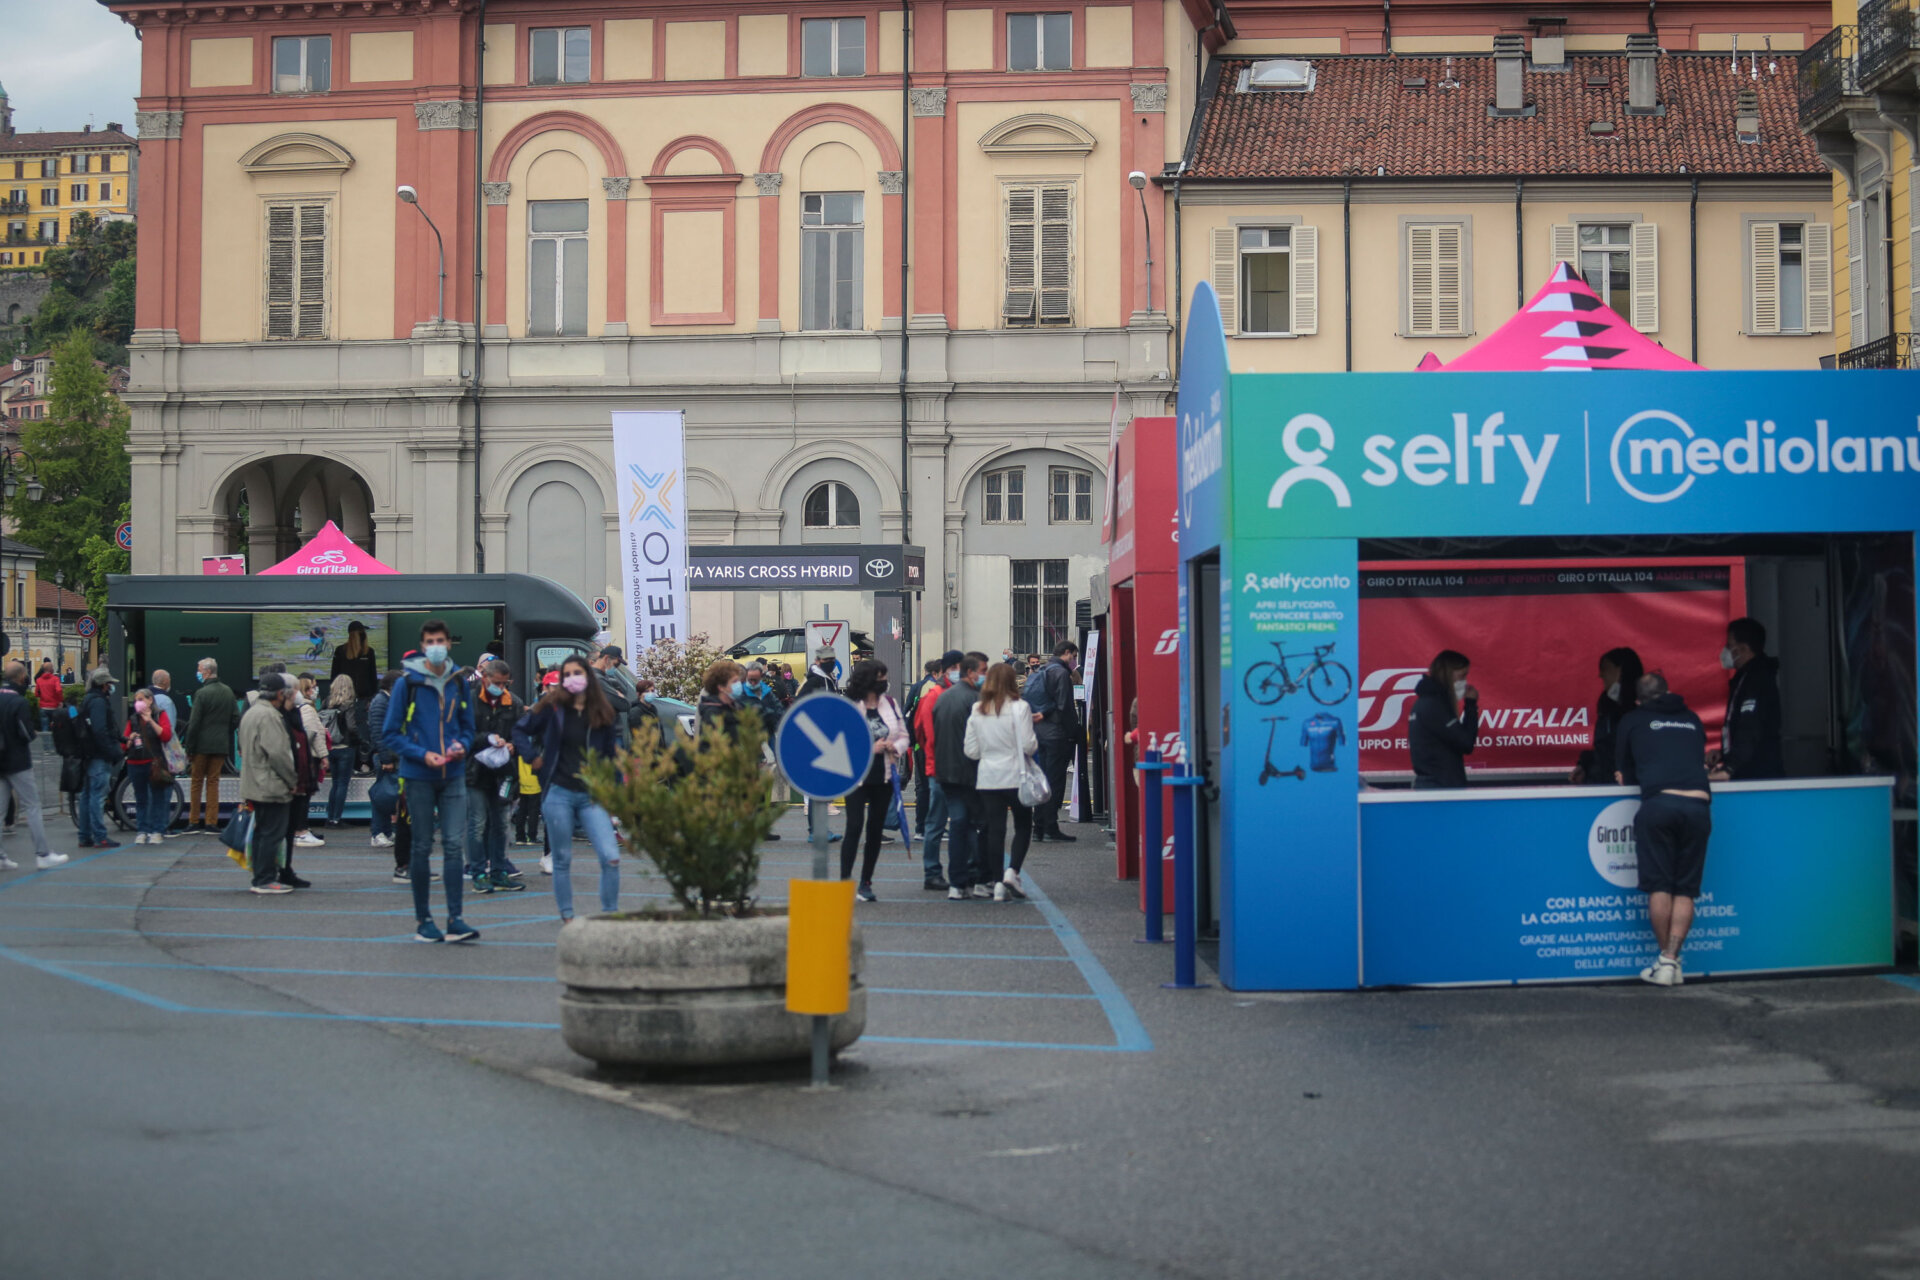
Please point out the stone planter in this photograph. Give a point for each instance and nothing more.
(678, 993)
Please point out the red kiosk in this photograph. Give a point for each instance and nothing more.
(1143, 656)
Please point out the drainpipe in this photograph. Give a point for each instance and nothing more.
(1174, 304)
(479, 260)
(1519, 245)
(1386, 27)
(1346, 259)
(906, 304)
(1693, 270)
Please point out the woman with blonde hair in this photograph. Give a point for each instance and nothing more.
(341, 720)
(1000, 736)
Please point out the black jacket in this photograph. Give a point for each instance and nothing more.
(950, 763)
(1601, 760)
(100, 736)
(497, 718)
(1439, 740)
(1663, 747)
(1050, 694)
(364, 670)
(18, 726)
(1752, 737)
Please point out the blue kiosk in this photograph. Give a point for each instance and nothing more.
(1319, 882)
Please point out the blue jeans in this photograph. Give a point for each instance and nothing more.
(564, 808)
(487, 831)
(340, 765)
(149, 801)
(382, 813)
(441, 802)
(90, 807)
(936, 827)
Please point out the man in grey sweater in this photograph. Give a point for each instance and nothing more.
(267, 777)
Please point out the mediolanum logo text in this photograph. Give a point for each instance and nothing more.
(1655, 455)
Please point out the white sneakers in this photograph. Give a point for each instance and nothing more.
(956, 894)
(8, 864)
(383, 842)
(546, 864)
(47, 860)
(1664, 972)
(305, 840)
(1000, 892)
(1011, 883)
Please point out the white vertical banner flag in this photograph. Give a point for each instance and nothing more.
(650, 468)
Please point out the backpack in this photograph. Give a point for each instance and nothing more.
(330, 721)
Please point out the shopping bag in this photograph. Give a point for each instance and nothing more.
(175, 755)
(384, 794)
(73, 774)
(900, 810)
(1034, 790)
(237, 836)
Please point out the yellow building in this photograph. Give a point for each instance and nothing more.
(46, 179)
(1857, 104)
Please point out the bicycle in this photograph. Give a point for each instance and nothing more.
(1327, 683)
(120, 801)
(1298, 772)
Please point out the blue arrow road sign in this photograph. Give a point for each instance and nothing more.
(823, 745)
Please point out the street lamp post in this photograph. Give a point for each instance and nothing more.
(412, 197)
(59, 621)
(1138, 181)
(12, 462)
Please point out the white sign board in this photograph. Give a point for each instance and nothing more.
(649, 463)
(838, 635)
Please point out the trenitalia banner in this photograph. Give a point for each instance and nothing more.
(1535, 630)
(649, 461)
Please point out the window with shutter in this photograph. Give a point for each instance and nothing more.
(1819, 277)
(1563, 244)
(1449, 303)
(1646, 277)
(1420, 310)
(1763, 252)
(1856, 276)
(1039, 256)
(296, 285)
(1306, 280)
(1225, 276)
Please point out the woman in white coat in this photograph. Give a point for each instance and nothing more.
(1000, 736)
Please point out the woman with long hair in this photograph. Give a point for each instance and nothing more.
(1620, 672)
(341, 719)
(867, 803)
(572, 721)
(1444, 724)
(303, 718)
(356, 658)
(147, 730)
(1000, 736)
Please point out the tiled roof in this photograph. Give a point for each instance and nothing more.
(1361, 119)
(62, 141)
(49, 596)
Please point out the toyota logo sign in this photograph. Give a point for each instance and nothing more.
(878, 568)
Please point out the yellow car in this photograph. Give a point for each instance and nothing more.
(789, 645)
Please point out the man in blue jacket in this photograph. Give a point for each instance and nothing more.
(101, 747)
(429, 726)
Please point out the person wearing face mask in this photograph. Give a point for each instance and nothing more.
(721, 690)
(758, 694)
(1750, 738)
(1444, 723)
(148, 729)
(212, 718)
(430, 727)
(1056, 723)
(1000, 736)
(959, 775)
(492, 778)
(610, 666)
(1620, 672)
(946, 674)
(872, 796)
(266, 779)
(572, 722)
(824, 673)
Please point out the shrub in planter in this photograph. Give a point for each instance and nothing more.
(704, 982)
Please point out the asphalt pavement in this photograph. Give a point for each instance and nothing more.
(206, 1081)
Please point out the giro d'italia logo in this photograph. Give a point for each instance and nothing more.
(1610, 844)
(652, 497)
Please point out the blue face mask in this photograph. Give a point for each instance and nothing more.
(436, 654)
(737, 689)
(647, 697)
(200, 677)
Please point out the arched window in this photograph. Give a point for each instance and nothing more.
(831, 505)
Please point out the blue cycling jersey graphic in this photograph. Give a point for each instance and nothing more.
(1320, 735)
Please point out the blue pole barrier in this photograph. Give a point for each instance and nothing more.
(1152, 840)
(1185, 924)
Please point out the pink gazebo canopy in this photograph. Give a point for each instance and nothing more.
(331, 551)
(1564, 326)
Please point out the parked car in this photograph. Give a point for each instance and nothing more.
(789, 645)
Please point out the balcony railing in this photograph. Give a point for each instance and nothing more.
(1829, 72)
(1886, 35)
(15, 208)
(1895, 351)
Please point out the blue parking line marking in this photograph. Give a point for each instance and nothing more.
(242, 937)
(1904, 979)
(994, 1044)
(316, 973)
(1129, 1034)
(966, 955)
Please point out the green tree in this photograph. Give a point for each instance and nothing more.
(104, 555)
(78, 452)
(92, 275)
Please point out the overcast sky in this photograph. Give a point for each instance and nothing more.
(67, 63)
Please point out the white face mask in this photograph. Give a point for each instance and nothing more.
(953, 676)
(1613, 691)
(1459, 690)
(1726, 659)
(436, 654)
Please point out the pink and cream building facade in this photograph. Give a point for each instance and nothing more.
(757, 214)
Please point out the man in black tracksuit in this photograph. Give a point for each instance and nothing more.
(957, 776)
(1750, 742)
(1662, 748)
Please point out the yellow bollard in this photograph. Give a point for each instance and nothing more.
(819, 945)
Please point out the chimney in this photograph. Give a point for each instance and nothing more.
(1549, 51)
(86, 128)
(1746, 117)
(113, 126)
(1643, 87)
(1509, 62)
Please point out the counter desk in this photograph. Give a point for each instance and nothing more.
(1537, 884)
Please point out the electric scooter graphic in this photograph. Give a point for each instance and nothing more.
(1298, 772)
